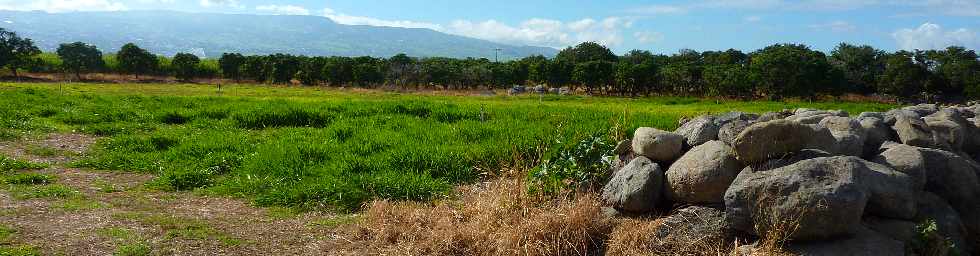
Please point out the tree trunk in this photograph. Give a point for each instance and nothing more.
(14, 70)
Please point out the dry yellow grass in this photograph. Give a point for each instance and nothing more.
(495, 218)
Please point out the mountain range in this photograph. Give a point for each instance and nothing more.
(211, 34)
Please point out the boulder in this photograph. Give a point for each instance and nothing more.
(657, 145)
(788, 159)
(923, 109)
(822, 197)
(864, 242)
(623, 147)
(954, 178)
(892, 115)
(913, 131)
(950, 130)
(635, 188)
(948, 221)
(817, 198)
(699, 130)
(703, 174)
(906, 159)
(770, 116)
(729, 131)
(848, 133)
(901, 230)
(823, 139)
(762, 141)
(877, 134)
(725, 118)
(879, 115)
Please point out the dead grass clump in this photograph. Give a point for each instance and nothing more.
(495, 218)
(683, 233)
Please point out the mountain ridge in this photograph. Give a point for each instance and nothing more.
(210, 34)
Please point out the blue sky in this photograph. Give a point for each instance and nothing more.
(659, 26)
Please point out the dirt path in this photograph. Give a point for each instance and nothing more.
(88, 212)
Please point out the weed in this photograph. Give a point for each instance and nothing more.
(133, 249)
(335, 221)
(51, 191)
(187, 228)
(572, 167)
(29, 179)
(43, 151)
(929, 241)
(8, 164)
(106, 187)
(79, 204)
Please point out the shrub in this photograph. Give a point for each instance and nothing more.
(29, 179)
(583, 164)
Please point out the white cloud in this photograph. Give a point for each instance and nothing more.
(835, 26)
(808, 5)
(648, 37)
(216, 3)
(933, 36)
(546, 32)
(283, 9)
(55, 6)
(362, 20)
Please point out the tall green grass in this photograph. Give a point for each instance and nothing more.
(314, 149)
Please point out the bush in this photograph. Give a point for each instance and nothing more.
(583, 164)
(29, 179)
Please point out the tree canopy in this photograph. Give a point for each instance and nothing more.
(16, 52)
(80, 57)
(135, 60)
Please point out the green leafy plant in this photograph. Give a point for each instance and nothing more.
(928, 241)
(571, 166)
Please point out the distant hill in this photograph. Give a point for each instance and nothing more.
(210, 34)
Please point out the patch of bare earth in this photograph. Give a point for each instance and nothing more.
(113, 211)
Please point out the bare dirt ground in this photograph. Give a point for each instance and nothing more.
(108, 213)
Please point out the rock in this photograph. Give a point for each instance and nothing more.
(901, 230)
(762, 141)
(892, 115)
(770, 116)
(730, 130)
(811, 116)
(878, 115)
(864, 242)
(923, 109)
(949, 129)
(635, 188)
(788, 159)
(823, 139)
(703, 174)
(688, 227)
(906, 159)
(725, 118)
(699, 130)
(822, 197)
(913, 131)
(848, 133)
(656, 144)
(954, 178)
(610, 212)
(877, 134)
(813, 196)
(948, 222)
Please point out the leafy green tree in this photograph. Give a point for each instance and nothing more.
(902, 76)
(368, 71)
(585, 52)
(783, 70)
(231, 65)
(636, 72)
(284, 68)
(594, 74)
(338, 71)
(728, 80)
(537, 68)
(79, 57)
(185, 66)
(861, 66)
(135, 60)
(955, 69)
(729, 57)
(16, 52)
(401, 69)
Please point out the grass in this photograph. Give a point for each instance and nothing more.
(311, 148)
(128, 243)
(186, 228)
(9, 164)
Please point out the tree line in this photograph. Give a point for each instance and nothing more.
(779, 70)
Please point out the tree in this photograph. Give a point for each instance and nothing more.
(902, 76)
(135, 60)
(861, 66)
(594, 74)
(585, 52)
(79, 57)
(185, 66)
(231, 65)
(955, 69)
(636, 72)
(16, 52)
(728, 80)
(790, 70)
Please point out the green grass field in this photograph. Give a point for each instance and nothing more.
(314, 148)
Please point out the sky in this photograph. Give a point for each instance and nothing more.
(658, 26)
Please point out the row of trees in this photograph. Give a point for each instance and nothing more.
(780, 70)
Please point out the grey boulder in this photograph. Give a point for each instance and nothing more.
(703, 174)
(729, 131)
(762, 141)
(848, 133)
(635, 188)
(913, 131)
(657, 145)
(699, 130)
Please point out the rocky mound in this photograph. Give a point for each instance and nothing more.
(826, 182)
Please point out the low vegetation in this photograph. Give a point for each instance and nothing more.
(315, 149)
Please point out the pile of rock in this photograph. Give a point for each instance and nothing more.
(831, 183)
